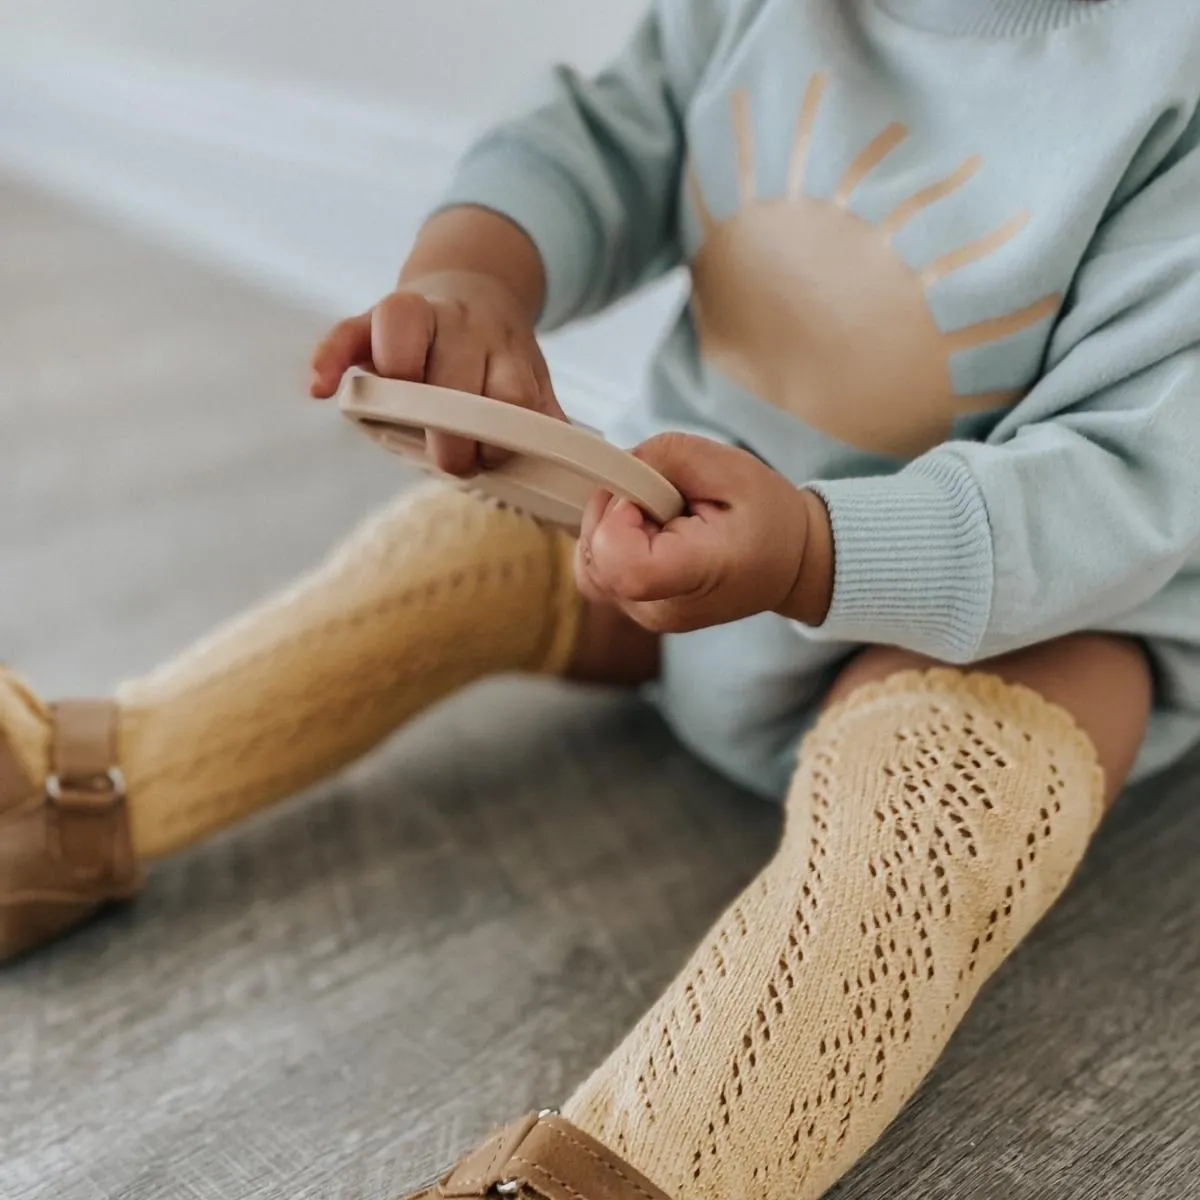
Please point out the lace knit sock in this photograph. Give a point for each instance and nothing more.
(933, 819)
(433, 593)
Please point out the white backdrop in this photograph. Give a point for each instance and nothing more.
(459, 57)
(297, 142)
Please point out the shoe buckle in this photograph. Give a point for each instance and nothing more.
(91, 794)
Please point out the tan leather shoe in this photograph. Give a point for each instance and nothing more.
(542, 1157)
(64, 844)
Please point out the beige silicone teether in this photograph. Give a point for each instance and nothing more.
(554, 467)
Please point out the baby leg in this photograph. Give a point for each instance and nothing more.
(934, 817)
(429, 595)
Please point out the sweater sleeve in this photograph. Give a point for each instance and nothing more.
(591, 173)
(1085, 501)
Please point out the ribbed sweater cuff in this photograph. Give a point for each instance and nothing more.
(913, 559)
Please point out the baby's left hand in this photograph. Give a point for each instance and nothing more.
(741, 548)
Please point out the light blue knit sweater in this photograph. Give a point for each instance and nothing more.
(945, 260)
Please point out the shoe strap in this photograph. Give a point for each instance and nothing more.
(85, 795)
(545, 1156)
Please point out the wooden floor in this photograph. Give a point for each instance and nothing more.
(331, 1001)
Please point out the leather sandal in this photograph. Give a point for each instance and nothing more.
(65, 850)
(541, 1157)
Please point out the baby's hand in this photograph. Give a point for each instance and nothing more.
(740, 550)
(458, 329)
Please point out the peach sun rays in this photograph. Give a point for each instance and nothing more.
(809, 306)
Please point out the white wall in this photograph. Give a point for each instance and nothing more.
(462, 58)
(296, 142)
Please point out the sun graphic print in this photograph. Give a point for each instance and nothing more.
(809, 306)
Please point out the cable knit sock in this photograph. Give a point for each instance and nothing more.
(433, 593)
(933, 819)
(25, 725)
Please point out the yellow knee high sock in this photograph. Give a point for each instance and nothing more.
(932, 821)
(433, 593)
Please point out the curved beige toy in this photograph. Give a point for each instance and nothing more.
(554, 468)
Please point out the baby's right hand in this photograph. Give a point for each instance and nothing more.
(456, 329)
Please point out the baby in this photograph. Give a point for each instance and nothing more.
(934, 405)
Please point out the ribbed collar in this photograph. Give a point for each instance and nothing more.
(995, 18)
